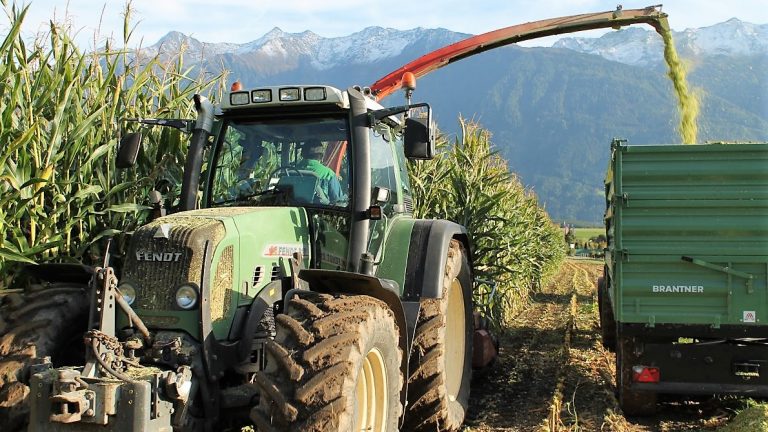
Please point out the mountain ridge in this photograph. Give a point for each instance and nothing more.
(323, 53)
(731, 37)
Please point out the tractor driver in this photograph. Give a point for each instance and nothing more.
(312, 153)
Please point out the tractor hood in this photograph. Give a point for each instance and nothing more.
(227, 254)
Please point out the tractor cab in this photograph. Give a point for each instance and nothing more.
(295, 147)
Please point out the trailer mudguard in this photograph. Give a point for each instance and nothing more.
(426, 257)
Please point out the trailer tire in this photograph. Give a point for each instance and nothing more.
(41, 322)
(607, 318)
(441, 357)
(632, 402)
(334, 366)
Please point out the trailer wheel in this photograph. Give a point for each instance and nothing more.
(441, 361)
(39, 323)
(632, 402)
(334, 366)
(607, 320)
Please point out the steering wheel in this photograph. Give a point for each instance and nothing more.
(319, 195)
(290, 171)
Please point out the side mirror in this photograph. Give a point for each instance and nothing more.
(128, 150)
(419, 138)
(419, 135)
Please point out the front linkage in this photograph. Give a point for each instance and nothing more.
(114, 388)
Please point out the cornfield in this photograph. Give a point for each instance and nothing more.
(515, 243)
(61, 117)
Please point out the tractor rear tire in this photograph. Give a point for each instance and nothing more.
(632, 402)
(334, 366)
(441, 361)
(39, 323)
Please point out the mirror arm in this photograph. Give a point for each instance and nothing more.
(378, 115)
(183, 125)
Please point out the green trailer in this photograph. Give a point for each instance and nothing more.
(684, 295)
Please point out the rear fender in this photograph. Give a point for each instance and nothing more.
(425, 268)
(430, 240)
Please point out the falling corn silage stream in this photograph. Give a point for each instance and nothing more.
(688, 102)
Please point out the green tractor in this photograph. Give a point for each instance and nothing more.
(296, 292)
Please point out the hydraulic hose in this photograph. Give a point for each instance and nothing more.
(106, 367)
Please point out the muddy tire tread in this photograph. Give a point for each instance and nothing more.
(36, 324)
(607, 320)
(428, 407)
(313, 400)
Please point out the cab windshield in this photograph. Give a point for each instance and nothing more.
(282, 162)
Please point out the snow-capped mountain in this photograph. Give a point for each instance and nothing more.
(278, 51)
(367, 46)
(642, 47)
(633, 45)
(176, 42)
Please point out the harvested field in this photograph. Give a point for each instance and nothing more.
(554, 374)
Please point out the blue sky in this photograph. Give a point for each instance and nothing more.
(241, 21)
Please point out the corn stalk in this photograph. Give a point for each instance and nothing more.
(514, 242)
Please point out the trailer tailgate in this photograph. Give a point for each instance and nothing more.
(688, 233)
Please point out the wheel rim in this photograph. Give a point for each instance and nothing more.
(455, 331)
(371, 404)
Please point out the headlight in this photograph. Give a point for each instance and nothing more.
(261, 96)
(239, 98)
(186, 297)
(128, 292)
(314, 94)
(289, 94)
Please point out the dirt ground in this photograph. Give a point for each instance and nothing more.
(553, 373)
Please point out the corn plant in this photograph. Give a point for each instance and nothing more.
(514, 242)
(61, 116)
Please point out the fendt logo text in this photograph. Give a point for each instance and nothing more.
(158, 256)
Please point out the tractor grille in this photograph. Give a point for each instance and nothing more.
(166, 253)
(258, 275)
(276, 272)
(408, 203)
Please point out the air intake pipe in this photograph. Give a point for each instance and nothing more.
(194, 162)
(361, 186)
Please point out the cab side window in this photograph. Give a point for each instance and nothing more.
(383, 166)
(383, 175)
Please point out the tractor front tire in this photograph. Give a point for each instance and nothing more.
(441, 361)
(42, 322)
(334, 366)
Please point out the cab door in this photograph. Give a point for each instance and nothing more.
(389, 183)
